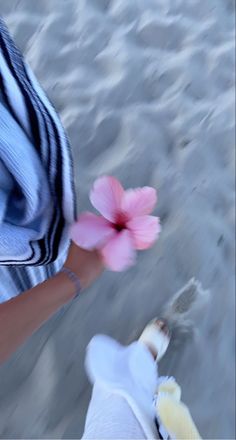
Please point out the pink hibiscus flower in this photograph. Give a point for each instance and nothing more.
(124, 225)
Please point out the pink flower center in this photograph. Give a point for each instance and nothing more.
(120, 222)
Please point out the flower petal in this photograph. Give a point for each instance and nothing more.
(106, 196)
(139, 201)
(144, 230)
(91, 231)
(118, 254)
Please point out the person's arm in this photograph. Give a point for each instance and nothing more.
(22, 315)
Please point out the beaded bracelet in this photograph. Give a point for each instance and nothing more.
(74, 278)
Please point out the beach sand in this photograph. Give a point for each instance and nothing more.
(145, 89)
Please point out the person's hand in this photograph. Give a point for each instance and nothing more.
(87, 265)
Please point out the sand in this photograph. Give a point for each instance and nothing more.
(145, 89)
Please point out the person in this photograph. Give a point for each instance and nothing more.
(40, 270)
(129, 400)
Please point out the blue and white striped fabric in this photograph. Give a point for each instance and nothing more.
(37, 200)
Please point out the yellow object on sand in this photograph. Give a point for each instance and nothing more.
(173, 414)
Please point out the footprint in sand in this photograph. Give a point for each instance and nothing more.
(180, 308)
(160, 34)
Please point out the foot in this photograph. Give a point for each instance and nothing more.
(156, 337)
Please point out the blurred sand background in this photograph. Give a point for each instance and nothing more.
(145, 89)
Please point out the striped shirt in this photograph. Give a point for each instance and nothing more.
(37, 197)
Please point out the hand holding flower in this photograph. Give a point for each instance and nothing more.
(125, 224)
